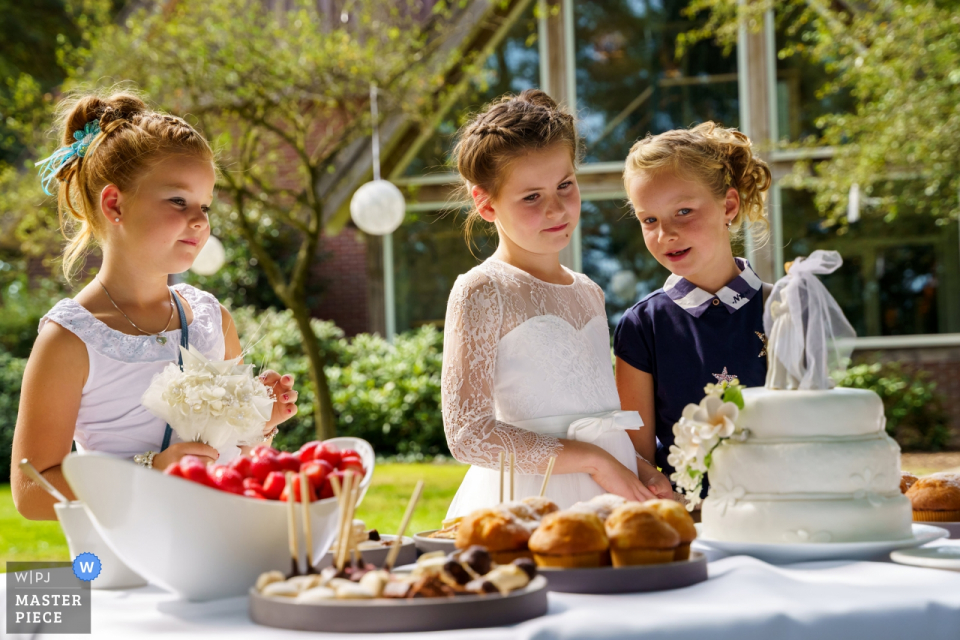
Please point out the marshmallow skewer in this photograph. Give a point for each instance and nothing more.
(307, 527)
(414, 499)
(546, 477)
(292, 526)
(500, 459)
(513, 466)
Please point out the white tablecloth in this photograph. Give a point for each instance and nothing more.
(743, 599)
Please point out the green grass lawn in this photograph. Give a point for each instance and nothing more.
(382, 508)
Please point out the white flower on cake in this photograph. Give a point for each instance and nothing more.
(220, 403)
(700, 430)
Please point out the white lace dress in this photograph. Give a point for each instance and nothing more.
(111, 418)
(526, 362)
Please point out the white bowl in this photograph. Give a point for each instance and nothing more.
(82, 537)
(197, 542)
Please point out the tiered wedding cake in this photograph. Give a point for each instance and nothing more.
(807, 462)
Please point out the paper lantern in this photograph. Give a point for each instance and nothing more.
(210, 258)
(378, 207)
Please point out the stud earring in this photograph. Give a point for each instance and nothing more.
(118, 220)
(729, 223)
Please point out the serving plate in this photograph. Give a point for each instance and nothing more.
(197, 542)
(377, 556)
(385, 615)
(940, 557)
(786, 553)
(635, 579)
(426, 545)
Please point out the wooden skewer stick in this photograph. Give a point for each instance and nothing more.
(307, 526)
(546, 477)
(292, 526)
(500, 458)
(358, 557)
(395, 547)
(335, 485)
(345, 533)
(513, 466)
(348, 544)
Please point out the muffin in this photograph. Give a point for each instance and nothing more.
(499, 530)
(638, 535)
(677, 516)
(602, 506)
(569, 539)
(907, 480)
(936, 498)
(540, 506)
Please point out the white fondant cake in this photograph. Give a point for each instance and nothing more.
(816, 466)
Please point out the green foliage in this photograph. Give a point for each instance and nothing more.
(915, 414)
(11, 375)
(24, 303)
(900, 64)
(388, 394)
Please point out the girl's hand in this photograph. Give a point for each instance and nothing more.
(285, 406)
(173, 453)
(655, 481)
(613, 477)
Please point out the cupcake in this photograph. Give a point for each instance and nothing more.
(569, 539)
(499, 530)
(677, 516)
(638, 535)
(540, 506)
(602, 506)
(936, 498)
(907, 480)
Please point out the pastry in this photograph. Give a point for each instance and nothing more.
(907, 480)
(677, 516)
(569, 539)
(638, 535)
(503, 534)
(936, 498)
(540, 506)
(602, 505)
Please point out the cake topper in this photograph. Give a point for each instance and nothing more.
(804, 325)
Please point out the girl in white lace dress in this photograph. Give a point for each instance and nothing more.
(526, 360)
(140, 184)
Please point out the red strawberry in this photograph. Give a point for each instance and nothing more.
(317, 471)
(285, 495)
(261, 450)
(326, 490)
(226, 479)
(241, 465)
(173, 470)
(308, 451)
(354, 465)
(288, 462)
(261, 467)
(328, 452)
(273, 485)
(252, 483)
(193, 469)
(348, 452)
(253, 493)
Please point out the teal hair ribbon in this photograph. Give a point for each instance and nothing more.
(50, 167)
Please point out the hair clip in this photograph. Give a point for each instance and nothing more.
(50, 167)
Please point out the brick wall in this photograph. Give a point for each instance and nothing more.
(943, 366)
(343, 274)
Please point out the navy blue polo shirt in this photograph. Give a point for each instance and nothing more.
(686, 338)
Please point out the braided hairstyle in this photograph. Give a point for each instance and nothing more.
(715, 156)
(506, 129)
(133, 139)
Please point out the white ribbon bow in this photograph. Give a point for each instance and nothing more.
(803, 323)
(589, 429)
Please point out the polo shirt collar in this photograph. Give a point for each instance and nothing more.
(733, 295)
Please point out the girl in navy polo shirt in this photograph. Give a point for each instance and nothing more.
(693, 191)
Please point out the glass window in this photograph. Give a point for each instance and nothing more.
(512, 68)
(429, 253)
(615, 257)
(899, 276)
(630, 81)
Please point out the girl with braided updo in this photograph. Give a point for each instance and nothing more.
(693, 191)
(139, 184)
(526, 359)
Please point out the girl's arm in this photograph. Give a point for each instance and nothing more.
(474, 435)
(636, 394)
(49, 403)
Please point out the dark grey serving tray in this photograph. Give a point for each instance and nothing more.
(653, 577)
(376, 557)
(395, 616)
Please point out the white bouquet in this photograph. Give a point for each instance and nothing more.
(221, 404)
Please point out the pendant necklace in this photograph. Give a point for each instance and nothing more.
(159, 338)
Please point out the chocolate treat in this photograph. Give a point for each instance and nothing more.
(529, 566)
(456, 571)
(478, 558)
(374, 535)
(397, 589)
(430, 587)
(481, 586)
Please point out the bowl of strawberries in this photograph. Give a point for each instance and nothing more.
(208, 532)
